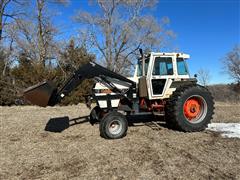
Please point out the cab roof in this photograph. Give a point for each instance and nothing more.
(180, 55)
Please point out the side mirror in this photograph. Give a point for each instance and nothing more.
(195, 75)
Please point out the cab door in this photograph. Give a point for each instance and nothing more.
(162, 71)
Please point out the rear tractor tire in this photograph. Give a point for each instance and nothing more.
(189, 109)
(113, 125)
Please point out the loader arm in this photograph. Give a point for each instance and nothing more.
(90, 70)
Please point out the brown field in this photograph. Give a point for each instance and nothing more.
(149, 151)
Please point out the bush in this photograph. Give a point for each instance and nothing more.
(27, 72)
(226, 93)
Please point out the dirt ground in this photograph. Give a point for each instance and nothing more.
(30, 150)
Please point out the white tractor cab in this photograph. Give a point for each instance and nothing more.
(161, 75)
(163, 88)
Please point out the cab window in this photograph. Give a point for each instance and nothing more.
(181, 67)
(163, 66)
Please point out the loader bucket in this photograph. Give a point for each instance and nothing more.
(41, 94)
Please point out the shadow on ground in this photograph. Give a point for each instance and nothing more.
(59, 124)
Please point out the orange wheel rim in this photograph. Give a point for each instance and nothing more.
(192, 108)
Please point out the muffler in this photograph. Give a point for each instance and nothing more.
(42, 94)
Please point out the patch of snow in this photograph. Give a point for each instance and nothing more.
(229, 130)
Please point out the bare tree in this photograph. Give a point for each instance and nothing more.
(34, 35)
(3, 15)
(10, 11)
(24, 35)
(6, 15)
(120, 29)
(41, 43)
(204, 76)
(45, 29)
(232, 64)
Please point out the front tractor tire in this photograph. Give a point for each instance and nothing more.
(189, 109)
(113, 125)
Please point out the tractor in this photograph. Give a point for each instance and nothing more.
(161, 86)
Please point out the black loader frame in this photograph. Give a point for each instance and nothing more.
(47, 94)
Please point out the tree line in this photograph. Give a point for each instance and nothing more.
(32, 50)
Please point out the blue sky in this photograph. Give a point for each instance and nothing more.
(205, 29)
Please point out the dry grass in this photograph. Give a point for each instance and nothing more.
(149, 151)
(227, 112)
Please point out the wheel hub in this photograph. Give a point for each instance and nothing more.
(115, 127)
(192, 108)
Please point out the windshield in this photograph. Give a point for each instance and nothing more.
(139, 70)
(163, 66)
